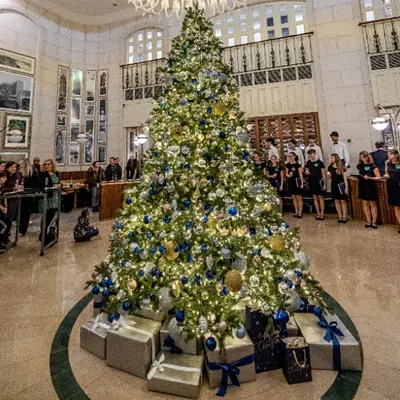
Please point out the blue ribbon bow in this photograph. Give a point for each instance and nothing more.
(332, 331)
(169, 342)
(229, 370)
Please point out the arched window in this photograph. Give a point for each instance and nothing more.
(379, 9)
(261, 22)
(145, 45)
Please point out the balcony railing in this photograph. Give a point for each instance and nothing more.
(270, 61)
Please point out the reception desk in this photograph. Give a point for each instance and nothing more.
(112, 197)
(386, 212)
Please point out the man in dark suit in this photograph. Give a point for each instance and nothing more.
(380, 157)
(113, 171)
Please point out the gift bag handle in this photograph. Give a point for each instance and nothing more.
(304, 363)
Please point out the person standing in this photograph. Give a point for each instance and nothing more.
(2, 166)
(312, 144)
(296, 150)
(258, 165)
(131, 169)
(95, 175)
(367, 189)
(380, 156)
(36, 167)
(271, 150)
(5, 222)
(315, 170)
(339, 186)
(339, 148)
(113, 171)
(274, 173)
(294, 173)
(27, 203)
(392, 174)
(13, 183)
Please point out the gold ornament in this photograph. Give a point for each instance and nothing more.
(205, 295)
(218, 109)
(176, 288)
(211, 317)
(267, 207)
(200, 137)
(212, 223)
(170, 253)
(162, 262)
(219, 286)
(232, 115)
(196, 194)
(234, 281)
(132, 285)
(277, 243)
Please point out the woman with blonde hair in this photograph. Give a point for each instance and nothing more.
(367, 192)
(339, 186)
(392, 174)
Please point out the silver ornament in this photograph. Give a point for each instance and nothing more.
(209, 261)
(203, 324)
(222, 326)
(146, 302)
(254, 281)
(283, 287)
(133, 246)
(165, 299)
(225, 252)
(295, 300)
(265, 253)
(220, 192)
(291, 275)
(144, 255)
(241, 332)
(242, 138)
(174, 330)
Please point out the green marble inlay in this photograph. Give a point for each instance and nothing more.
(66, 386)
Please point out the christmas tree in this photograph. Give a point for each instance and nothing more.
(202, 230)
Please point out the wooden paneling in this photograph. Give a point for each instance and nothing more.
(386, 213)
(72, 175)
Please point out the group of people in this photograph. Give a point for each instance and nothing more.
(300, 167)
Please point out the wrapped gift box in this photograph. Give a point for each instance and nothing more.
(176, 374)
(345, 354)
(93, 336)
(132, 344)
(237, 353)
(149, 313)
(297, 364)
(193, 346)
(267, 336)
(240, 309)
(292, 328)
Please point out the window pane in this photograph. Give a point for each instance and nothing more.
(159, 54)
(300, 29)
(140, 46)
(229, 19)
(218, 32)
(271, 34)
(149, 35)
(140, 36)
(256, 25)
(299, 16)
(217, 22)
(131, 40)
(270, 21)
(159, 44)
(231, 41)
(243, 27)
(130, 59)
(284, 19)
(387, 13)
(283, 8)
(298, 5)
(257, 37)
(269, 11)
(285, 32)
(370, 15)
(149, 45)
(140, 58)
(149, 56)
(368, 3)
(243, 39)
(256, 13)
(231, 30)
(159, 34)
(242, 17)
(130, 50)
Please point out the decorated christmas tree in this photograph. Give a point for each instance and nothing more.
(202, 230)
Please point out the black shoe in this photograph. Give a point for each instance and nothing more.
(300, 216)
(368, 225)
(344, 221)
(340, 221)
(374, 226)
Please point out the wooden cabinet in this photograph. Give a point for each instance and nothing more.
(283, 128)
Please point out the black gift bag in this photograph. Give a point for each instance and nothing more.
(297, 365)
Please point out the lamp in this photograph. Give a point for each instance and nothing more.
(142, 138)
(380, 123)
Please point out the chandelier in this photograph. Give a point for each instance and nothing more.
(169, 7)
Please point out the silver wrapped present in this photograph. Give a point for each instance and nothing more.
(93, 336)
(149, 313)
(132, 344)
(176, 374)
(329, 350)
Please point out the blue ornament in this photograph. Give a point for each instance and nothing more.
(205, 219)
(118, 252)
(187, 166)
(146, 219)
(106, 292)
(299, 274)
(151, 192)
(209, 110)
(232, 211)
(302, 305)
(95, 290)
(137, 250)
(203, 248)
(254, 252)
(187, 203)
(286, 226)
(245, 153)
(190, 259)
(126, 306)
(185, 280)
(131, 234)
(180, 316)
(222, 135)
(183, 246)
(281, 316)
(203, 122)
(226, 148)
(317, 311)
(128, 201)
(166, 220)
(102, 283)
(111, 318)
(156, 154)
(224, 291)
(155, 272)
(123, 262)
(210, 275)
(153, 250)
(211, 178)
(208, 207)
(109, 283)
(290, 284)
(211, 343)
(141, 272)
(197, 280)
(166, 168)
(118, 225)
(252, 231)
(149, 235)
(241, 332)
(188, 224)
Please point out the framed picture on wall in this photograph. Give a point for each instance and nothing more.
(61, 120)
(90, 110)
(74, 154)
(74, 133)
(17, 131)
(16, 92)
(11, 156)
(62, 96)
(89, 150)
(17, 62)
(90, 86)
(61, 140)
(103, 121)
(103, 82)
(102, 154)
(75, 119)
(77, 77)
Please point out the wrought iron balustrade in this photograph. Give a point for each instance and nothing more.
(269, 61)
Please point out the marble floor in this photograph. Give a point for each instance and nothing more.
(360, 268)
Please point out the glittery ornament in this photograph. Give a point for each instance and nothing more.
(174, 330)
(219, 286)
(176, 288)
(241, 332)
(205, 295)
(203, 324)
(277, 243)
(295, 301)
(291, 275)
(170, 253)
(254, 281)
(233, 281)
(132, 285)
(265, 253)
(211, 317)
(166, 302)
(222, 326)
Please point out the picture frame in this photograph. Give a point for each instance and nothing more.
(62, 88)
(89, 150)
(102, 138)
(76, 82)
(17, 131)
(103, 82)
(61, 120)
(90, 110)
(13, 156)
(75, 121)
(17, 92)
(17, 62)
(102, 152)
(74, 154)
(61, 141)
(91, 80)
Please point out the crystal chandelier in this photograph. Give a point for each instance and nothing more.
(169, 7)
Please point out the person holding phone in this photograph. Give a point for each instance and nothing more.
(340, 186)
(294, 174)
(315, 170)
(392, 174)
(368, 173)
(274, 174)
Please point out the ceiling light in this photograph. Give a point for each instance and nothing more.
(380, 123)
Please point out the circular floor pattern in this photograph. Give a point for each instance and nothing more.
(66, 386)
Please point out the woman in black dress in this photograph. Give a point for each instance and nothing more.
(392, 173)
(294, 174)
(259, 166)
(339, 186)
(315, 169)
(367, 189)
(274, 173)
(132, 169)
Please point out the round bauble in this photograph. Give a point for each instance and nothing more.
(203, 324)
(211, 317)
(222, 326)
(131, 285)
(241, 332)
(233, 281)
(166, 302)
(294, 302)
(277, 243)
(170, 253)
(211, 343)
(219, 286)
(173, 329)
(254, 281)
